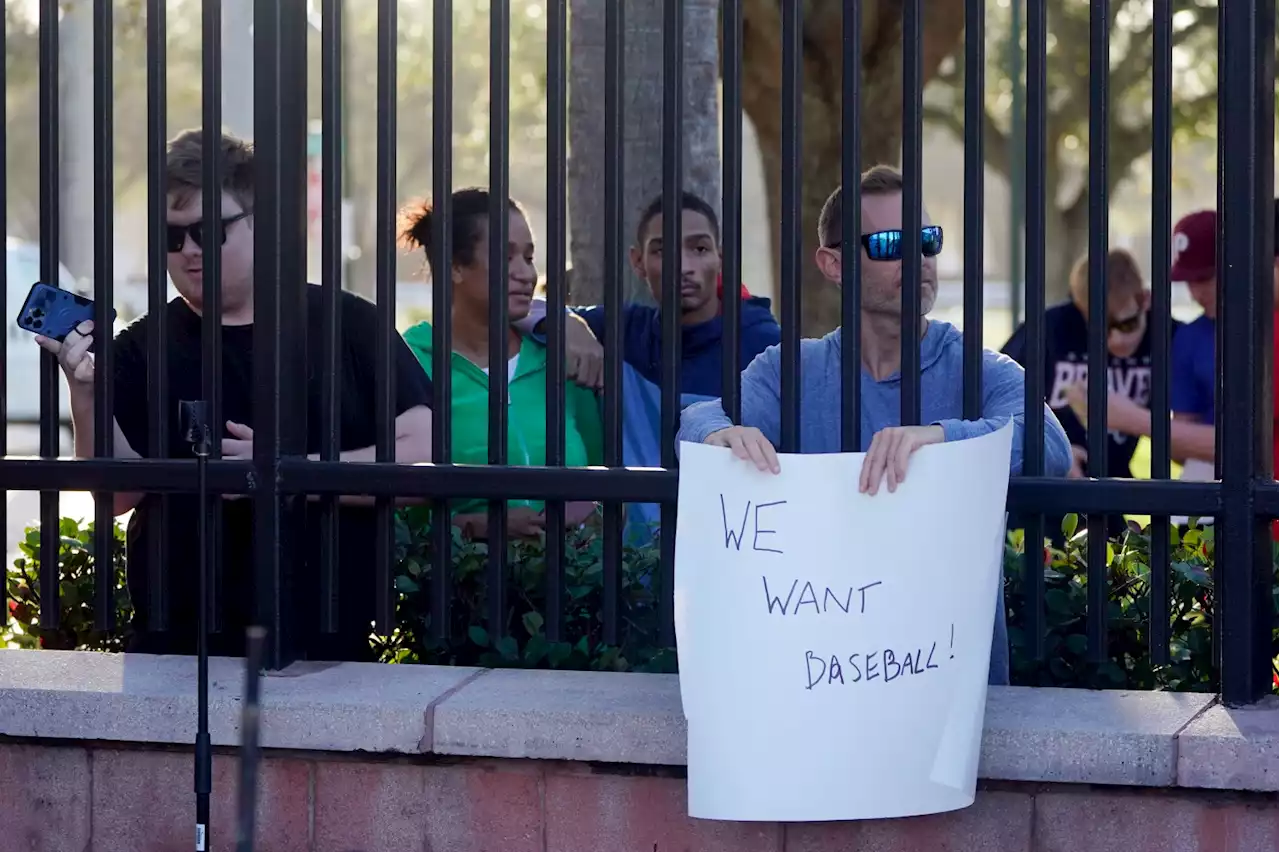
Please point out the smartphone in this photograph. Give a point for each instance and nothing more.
(53, 312)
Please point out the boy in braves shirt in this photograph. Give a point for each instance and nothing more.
(1066, 343)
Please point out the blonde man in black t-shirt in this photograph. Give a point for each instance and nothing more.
(135, 438)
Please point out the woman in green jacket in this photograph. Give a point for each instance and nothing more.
(526, 365)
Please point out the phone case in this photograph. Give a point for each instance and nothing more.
(54, 312)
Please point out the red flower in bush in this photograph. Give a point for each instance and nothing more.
(1048, 557)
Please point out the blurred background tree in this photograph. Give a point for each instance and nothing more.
(1195, 107)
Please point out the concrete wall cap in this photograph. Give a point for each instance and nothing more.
(1032, 734)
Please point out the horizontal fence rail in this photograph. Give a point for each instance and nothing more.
(334, 440)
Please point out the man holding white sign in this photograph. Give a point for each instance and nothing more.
(888, 445)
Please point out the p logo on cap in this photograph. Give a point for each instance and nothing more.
(1195, 239)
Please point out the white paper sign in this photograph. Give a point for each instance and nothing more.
(834, 647)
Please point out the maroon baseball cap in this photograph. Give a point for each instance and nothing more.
(1195, 242)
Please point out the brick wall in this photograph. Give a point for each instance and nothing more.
(91, 798)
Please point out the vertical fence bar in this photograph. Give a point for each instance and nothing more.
(557, 212)
(1017, 163)
(614, 246)
(499, 218)
(279, 341)
(790, 242)
(1099, 223)
(384, 392)
(672, 172)
(158, 413)
(50, 222)
(912, 177)
(731, 206)
(441, 304)
(1246, 77)
(294, 300)
(331, 262)
(4, 338)
(250, 744)
(851, 230)
(266, 346)
(1216, 642)
(975, 61)
(1161, 322)
(211, 278)
(1033, 427)
(104, 540)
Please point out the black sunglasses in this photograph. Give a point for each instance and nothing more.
(178, 233)
(1128, 325)
(887, 245)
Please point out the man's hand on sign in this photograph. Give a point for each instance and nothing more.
(889, 453)
(749, 444)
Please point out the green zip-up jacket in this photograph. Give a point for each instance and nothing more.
(527, 413)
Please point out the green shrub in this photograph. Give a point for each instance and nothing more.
(1128, 662)
(523, 642)
(75, 631)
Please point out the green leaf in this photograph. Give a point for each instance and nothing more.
(1069, 524)
(1077, 643)
(1058, 601)
(559, 654)
(532, 622)
(478, 635)
(506, 646)
(535, 650)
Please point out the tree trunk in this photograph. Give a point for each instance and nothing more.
(642, 126)
(821, 144)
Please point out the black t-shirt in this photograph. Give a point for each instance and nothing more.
(1066, 363)
(356, 524)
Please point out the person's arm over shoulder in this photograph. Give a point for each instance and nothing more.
(531, 325)
(1004, 399)
(761, 402)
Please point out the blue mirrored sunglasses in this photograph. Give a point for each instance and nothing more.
(887, 245)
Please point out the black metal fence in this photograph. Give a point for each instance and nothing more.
(1242, 500)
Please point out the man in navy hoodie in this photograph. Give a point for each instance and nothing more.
(700, 306)
(701, 344)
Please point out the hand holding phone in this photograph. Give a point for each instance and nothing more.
(63, 324)
(73, 353)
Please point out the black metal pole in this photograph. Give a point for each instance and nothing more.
(196, 425)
